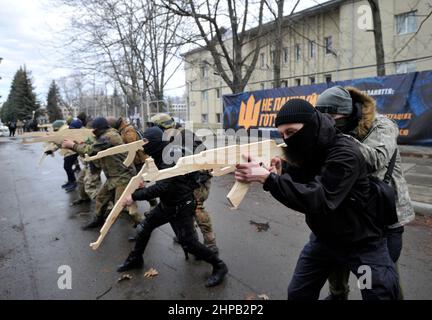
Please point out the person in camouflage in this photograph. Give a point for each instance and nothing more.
(202, 216)
(129, 134)
(356, 115)
(117, 174)
(89, 181)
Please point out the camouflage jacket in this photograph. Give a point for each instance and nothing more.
(377, 139)
(129, 134)
(116, 172)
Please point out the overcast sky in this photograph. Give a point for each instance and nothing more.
(27, 31)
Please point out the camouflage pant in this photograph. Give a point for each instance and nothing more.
(202, 217)
(105, 196)
(88, 184)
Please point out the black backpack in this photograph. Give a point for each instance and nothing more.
(384, 196)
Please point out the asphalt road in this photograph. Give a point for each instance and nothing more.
(39, 232)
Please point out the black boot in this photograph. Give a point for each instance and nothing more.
(220, 270)
(133, 261)
(97, 221)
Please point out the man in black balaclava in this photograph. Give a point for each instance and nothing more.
(176, 207)
(326, 179)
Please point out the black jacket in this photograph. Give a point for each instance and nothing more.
(171, 192)
(333, 193)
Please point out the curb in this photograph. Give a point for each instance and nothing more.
(421, 208)
(415, 155)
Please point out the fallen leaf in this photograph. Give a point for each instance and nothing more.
(263, 297)
(250, 296)
(152, 272)
(124, 277)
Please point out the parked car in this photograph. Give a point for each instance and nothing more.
(4, 131)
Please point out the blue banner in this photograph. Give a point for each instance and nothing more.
(405, 98)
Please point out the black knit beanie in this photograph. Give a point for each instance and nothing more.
(295, 111)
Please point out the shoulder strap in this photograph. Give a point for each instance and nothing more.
(389, 173)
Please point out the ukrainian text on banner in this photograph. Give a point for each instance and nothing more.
(405, 98)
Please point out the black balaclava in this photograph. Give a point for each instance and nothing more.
(301, 145)
(349, 124)
(155, 145)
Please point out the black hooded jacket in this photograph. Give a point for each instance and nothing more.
(172, 191)
(332, 192)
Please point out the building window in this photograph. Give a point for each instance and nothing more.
(312, 80)
(328, 43)
(218, 118)
(262, 86)
(204, 118)
(262, 60)
(217, 93)
(405, 67)
(272, 56)
(284, 83)
(312, 49)
(328, 78)
(406, 23)
(204, 71)
(285, 55)
(297, 82)
(204, 95)
(297, 52)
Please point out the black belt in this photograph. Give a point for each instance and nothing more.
(177, 207)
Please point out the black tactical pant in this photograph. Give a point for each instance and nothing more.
(338, 278)
(67, 166)
(181, 220)
(318, 259)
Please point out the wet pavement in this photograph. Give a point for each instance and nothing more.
(39, 232)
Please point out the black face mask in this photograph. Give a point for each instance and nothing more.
(301, 145)
(348, 124)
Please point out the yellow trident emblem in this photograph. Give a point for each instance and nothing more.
(249, 113)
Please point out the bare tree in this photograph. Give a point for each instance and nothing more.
(233, 64)
(132, 42)
(278, 42)
(377, 30)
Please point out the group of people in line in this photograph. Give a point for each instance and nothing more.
(334, 151)
(181, 199)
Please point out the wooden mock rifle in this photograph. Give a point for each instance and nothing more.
(218, 161)
(57, 137)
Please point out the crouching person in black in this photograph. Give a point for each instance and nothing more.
(325, 178)
(176, 207)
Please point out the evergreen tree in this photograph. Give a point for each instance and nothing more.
(21, 101)
(53, 103)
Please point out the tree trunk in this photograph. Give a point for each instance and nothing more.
(278, 46)
(379, 46)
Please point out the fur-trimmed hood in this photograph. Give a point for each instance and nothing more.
(368, 111)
